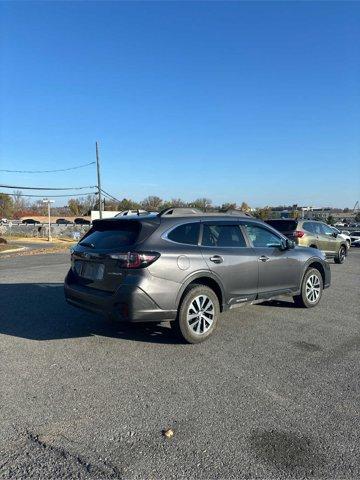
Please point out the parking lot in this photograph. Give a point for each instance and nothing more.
(275, 393)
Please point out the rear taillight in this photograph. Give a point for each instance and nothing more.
(299, 233)
(135, 259)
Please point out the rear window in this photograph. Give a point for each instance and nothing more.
(356, 234)
(283, 225)
(110, 235)
(187, 233)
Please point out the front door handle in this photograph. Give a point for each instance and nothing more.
(216, 259)
(264, 258)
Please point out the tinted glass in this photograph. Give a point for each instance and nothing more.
(317, 228)
(356, 234)
(261, 237)
(223, 236)
(112, 235)
(283, 225)
(326, 230)
(308, 226)
(187, 233)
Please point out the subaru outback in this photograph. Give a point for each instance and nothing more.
(187, 267)
(314, 234)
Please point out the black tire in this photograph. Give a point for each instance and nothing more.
(305, 300)
(205, 322)
(341, 255)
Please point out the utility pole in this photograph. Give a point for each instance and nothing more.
(98, 178)
(49, 202)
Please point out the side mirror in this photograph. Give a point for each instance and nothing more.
(289, 244)
(334, 234)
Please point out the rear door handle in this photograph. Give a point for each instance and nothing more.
(216, 259)
(264, 258)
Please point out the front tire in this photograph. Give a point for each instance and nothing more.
(198, 314)
(311, 289)
(341, 255)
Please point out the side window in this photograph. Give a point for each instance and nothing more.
(326, 230)
(308, 226)
(261, 237)
(223, 236)
(187, 233)
(317, 228)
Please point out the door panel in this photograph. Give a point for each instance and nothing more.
(329, 242)
(228, 256)
(279, 270)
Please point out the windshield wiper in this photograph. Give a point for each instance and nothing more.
(87, 244)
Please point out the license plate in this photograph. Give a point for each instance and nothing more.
(90, 271)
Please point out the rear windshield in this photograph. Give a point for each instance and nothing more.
(112, 235)
(283, 225)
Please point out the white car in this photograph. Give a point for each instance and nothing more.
(355, 238)
(131, 213)
(343, 235)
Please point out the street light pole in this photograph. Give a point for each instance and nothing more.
(49, 202)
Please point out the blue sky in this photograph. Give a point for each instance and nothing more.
(255, 102)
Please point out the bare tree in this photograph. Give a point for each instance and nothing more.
(151, 203)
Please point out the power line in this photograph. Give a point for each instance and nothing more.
(47, 188)
(42, 196)
(110, 196)
(48, 171)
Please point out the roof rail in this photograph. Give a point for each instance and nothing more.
(239, 213)
(180, 211)
(185, 211)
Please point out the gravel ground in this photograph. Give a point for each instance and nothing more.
(275, 394)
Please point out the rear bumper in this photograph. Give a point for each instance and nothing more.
(129, 303)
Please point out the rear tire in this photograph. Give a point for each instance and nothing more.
(198, 314)
(341, 255)
(311, 289)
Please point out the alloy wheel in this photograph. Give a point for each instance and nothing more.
(313, 288)
(200, 314)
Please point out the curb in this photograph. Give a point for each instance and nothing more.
(14, 250)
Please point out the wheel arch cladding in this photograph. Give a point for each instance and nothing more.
(208, 282)
(319, 267)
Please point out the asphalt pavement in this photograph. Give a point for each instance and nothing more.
(275, 394)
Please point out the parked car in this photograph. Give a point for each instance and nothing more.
(133, 213)
(30, 221)
(343, 234)
(186, 268)
(355, 238)
(312, 233)
(81, 221)
(63, 221)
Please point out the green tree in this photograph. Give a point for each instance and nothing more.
(245, 207)
(6, 206)
(263, 213)
(330, 220)
(74, 206)
(228, 206)
(202, 203)
(127, 204)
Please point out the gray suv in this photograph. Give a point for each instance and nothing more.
(186, 267)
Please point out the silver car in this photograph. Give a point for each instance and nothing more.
(187, 267)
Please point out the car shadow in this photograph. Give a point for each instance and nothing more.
(38, 311)
(278, 303)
